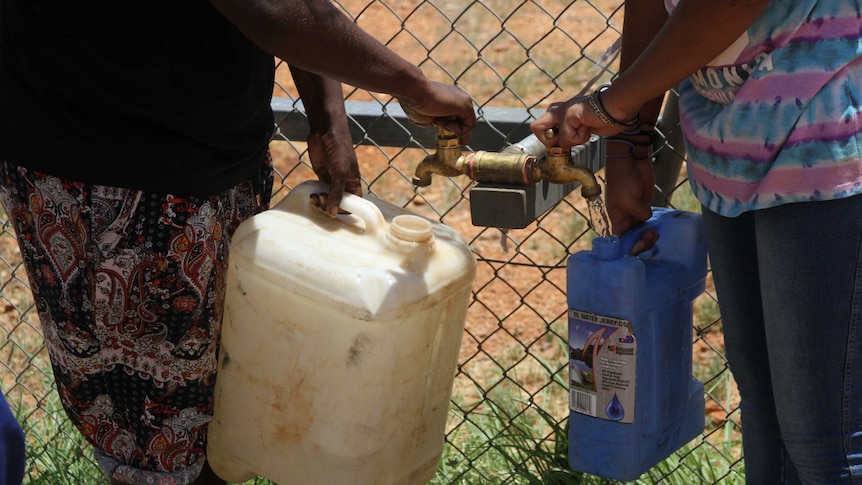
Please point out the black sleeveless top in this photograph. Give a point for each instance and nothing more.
(158, 95)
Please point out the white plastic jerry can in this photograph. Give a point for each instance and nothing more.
(339, 344)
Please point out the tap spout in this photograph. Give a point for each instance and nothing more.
(443, 162)
(559, 168)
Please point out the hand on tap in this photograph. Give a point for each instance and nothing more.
(573, 122)
(443, 105)
(629, 176)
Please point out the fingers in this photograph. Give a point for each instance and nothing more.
(621, 223)
(561, 126)
(334, 162)
(627, 213)
(625, 208)
(337, 190)
(447, 106)
(333, 199)
(646, 242)
(577, 122)
(317, 156)
(461, 127)
(547, 124)
(573, 136)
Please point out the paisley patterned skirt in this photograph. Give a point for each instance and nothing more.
(129, 286)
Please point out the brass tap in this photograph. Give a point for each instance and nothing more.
(512, 167)
(445, 161)
(558, 168)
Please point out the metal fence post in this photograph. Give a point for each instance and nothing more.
(668, 150)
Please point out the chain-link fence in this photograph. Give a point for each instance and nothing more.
(510, 400)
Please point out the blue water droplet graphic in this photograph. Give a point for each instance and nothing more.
(615, 409)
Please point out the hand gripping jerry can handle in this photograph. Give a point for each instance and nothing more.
(299, 201)
(300, 198)
(677, 231)
(633, 235)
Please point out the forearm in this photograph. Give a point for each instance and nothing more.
(330, 146)
(315, 36)
(695, 34)
(322, 98)
(642, 22)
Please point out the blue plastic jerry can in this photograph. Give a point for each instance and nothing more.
(632, 398)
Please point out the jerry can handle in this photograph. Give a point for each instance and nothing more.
(680, 235)
(374, 221)
(365, 210)
(630, 237)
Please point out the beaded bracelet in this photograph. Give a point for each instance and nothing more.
(650, 128)
(630, 138)
(630, 152)
(595, 100)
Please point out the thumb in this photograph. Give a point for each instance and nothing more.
(543, 125)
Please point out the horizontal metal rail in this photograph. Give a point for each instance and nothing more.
(378, 124)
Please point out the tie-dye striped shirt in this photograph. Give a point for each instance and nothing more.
(776, 118)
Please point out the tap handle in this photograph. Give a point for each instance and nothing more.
(446, 139)
(557, 155)
(555, 152)
(443, 132)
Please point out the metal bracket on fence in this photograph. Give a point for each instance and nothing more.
(515, 207)
(668, 150)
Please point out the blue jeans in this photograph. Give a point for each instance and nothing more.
(789, 282)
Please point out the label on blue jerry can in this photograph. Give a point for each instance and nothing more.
(602, 366)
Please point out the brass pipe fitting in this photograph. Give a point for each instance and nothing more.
(513, 167)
